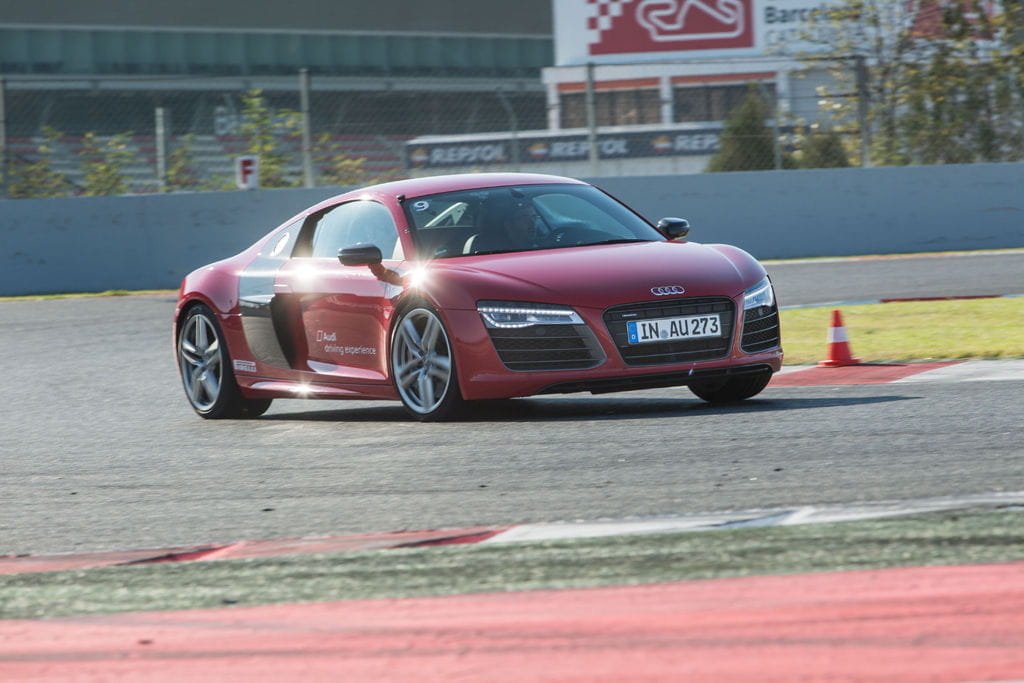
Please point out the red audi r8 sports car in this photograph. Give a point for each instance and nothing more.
(439, 291)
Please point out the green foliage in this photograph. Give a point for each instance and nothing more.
(949, 89)
(823, 150)
(35, 178)
(746, 143)
(264, 128)
(334, 166)
(181, 173)
(104, 165)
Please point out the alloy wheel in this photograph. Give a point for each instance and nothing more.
(200, 359)
(421, 360)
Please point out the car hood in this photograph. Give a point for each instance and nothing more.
(595, 276)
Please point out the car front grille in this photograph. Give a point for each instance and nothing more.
(547, 347)
(760, 329)
(679, 351)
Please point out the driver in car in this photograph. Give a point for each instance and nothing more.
(521, 226)
(512, 226)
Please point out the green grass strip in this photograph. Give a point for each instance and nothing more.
(89, 295)
(916, 330)
(979, 536)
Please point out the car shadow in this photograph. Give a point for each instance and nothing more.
(596, 408)
(619, 408)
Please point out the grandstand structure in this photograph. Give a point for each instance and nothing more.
(381, 73)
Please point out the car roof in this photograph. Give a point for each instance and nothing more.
(418, 187)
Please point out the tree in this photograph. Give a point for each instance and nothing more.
(746, 143)
(264, 128)
(823, 150)
(181, 173)
(944, 83)
(104, 165)
(336, 167)
(35, 177)
(965, 104)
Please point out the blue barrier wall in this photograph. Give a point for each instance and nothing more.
(150, 242)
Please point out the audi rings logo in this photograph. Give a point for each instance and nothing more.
(667, 291)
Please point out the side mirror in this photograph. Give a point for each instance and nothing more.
(363, 254)
(674, 228)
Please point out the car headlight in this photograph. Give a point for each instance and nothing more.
(760, 294)
(511, 314)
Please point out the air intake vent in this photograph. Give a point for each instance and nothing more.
(547, 347)
(760, 329)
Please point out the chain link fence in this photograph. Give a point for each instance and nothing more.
(68, 138)
(186, 134)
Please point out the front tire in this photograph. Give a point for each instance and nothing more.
(206, 372)
(423, 366)
(733, 389)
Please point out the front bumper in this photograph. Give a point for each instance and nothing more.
(656, 381)
(483, 375)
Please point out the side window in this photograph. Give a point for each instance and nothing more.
(355, 223)
(280, 248)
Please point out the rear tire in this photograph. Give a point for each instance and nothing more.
(206, 373)
(733, 389)
(423, 366)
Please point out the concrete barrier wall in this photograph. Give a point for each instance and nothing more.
(841, 212)
(150, 242)
(92, 244)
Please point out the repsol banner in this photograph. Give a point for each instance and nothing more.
(481, 151)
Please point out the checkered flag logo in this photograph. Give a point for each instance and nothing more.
(601, 14)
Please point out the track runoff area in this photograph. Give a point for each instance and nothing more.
(956, 623)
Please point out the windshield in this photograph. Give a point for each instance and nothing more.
(520, 218)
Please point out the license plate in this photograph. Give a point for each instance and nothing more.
(672, 329)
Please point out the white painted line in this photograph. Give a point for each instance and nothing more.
(892, 257)
(598, 529)
(753, 518)
(831, 304)
(973, 371)
(786, 369)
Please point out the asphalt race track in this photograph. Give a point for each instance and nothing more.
(99, 449)
(820, 281)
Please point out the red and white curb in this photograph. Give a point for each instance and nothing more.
(753, 518)
(901, 373)
(869, 302)
(973, 371)
(711, 521)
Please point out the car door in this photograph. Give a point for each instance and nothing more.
(339, 314)
(263, 315)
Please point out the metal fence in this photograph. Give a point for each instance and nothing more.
(99, 137)
(61, 139)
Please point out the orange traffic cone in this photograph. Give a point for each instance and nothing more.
(839, 353)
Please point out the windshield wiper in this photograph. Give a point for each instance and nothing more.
(621, 240)
(494, 251)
